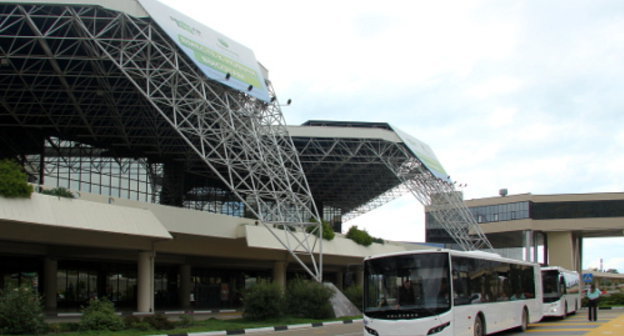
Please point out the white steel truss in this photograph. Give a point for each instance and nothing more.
(243, 141)
(389, 170)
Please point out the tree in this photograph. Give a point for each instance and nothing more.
(13, 180)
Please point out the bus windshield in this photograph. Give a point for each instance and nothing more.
(551, 286)
(407, 286)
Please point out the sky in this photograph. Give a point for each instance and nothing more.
(523, 95)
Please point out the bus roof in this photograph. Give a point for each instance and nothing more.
(557, 268)
(470, 254)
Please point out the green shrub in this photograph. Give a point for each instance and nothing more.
(355, 295)
(54, 328)
(100, 315)
(59, 191)
(328, 231)
(615, 299)
(13, 180)
(263, 301)
(21, 312)
(359, 236)
(135, 322)
(158, 322)
(186, 320)
(309, 299)
(379, 241)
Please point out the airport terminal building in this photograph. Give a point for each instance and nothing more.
(548, 229)
(188, 186)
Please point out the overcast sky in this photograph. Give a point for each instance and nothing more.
(523, 95)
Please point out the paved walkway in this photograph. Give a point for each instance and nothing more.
(610, 323)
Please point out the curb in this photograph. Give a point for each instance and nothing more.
(174, 312)
(263, 329)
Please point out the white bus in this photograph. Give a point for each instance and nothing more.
(562, 291)
(411, 293)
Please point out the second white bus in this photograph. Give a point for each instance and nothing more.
(562, 291)
(444, 292)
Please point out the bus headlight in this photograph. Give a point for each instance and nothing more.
(371, 331)
(438, 329)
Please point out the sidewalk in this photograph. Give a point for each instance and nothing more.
(614, 327)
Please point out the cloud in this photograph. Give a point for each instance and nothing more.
(494, 87)
(523, 95)
(610, 250)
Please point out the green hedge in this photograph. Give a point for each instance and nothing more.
(611, 300)
(328, 231)
(308, 298)
(359, 236)
(59, 191)
(100, 315)
(355, 295)
(13, 180)
(21, 311)
(263, 301)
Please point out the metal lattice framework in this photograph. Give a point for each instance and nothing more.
(114, 81)
(386, 170)
(376, 202)
(80, 167)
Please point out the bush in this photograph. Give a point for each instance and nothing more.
(379, 241)
(615, 299)
(135, 322)
(355, 295)
(328, 231)
(21, 312)
(359, 236)
(13, 180)
(186, 320)
(100, 315)
(60, 192)
(309, 299)
(263, 301)
(159, 322)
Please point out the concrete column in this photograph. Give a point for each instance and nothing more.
(562, 250)
(279, 273)
(145, 282)
(359, 277)
(528, 245)
(340, 280)
(577, 255)
(185, 286)
(50, 267)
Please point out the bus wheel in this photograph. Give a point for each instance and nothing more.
(524, 324)
(479, 328)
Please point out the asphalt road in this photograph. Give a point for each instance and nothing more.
(574, 325)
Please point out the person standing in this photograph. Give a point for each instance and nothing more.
(593, 295)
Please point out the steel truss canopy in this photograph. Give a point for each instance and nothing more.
(359, 166)
(106, 75)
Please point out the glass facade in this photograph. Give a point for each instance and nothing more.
(79, 167)
(584, 209)
(83, 168)
(333, 216)
(501, 212)
(79, 281)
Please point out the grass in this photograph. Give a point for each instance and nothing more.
(204, 325)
